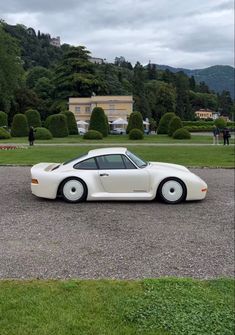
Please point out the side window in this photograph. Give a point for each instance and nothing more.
(128, 163)
(109, 162)
(89, 164)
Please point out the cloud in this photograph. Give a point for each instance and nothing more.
(193, 33)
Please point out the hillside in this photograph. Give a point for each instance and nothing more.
(218, 77)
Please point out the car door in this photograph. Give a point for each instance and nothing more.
(119, 175)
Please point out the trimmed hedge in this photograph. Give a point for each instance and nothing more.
(57, 124)
(174, 124)
(98, 121)
(34, 118)
(3, 119)
(42, 134)
(19, 126)
(4, 134)
(135, 122)
(181, 134)
(136, 134)
(71, 121)
(93, 135)
(164, 123)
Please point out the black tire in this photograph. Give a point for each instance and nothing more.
(172, 191)
(73, 190)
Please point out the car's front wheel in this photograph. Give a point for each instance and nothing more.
(73, 190)
(172, 191)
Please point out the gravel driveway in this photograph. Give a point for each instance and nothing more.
(52, 239)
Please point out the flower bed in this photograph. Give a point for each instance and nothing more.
(11, 147)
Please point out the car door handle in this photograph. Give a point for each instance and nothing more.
(104, 174)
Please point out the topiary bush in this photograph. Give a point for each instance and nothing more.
(181, 134)
(4, 134)
(175, 123)
(93, 135)
(19, 126)
(33, 117)
(3, 119)
(135, 122)
(71, 121)
(98, 121)
(42, 134)
(220, 123)
(164, 123)
(57, 124)
(136, 134)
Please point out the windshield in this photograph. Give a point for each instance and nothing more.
(138, 161)
(74, 159)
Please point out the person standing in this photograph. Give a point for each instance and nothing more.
(226, 136)
(216, 133)
(31, 135)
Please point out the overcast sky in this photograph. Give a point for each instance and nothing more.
(179, 33)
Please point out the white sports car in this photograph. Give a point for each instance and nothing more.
(115, 174)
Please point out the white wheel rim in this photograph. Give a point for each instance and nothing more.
(172, 190)
(73, 190)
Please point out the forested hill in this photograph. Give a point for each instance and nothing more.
(36, 74)
(219, 77)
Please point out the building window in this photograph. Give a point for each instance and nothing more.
(88, 110)
(77, 109)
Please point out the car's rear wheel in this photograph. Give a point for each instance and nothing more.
(73, 190)
(172, 191)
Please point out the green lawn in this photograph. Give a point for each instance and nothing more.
(150, 307)
(201, 156)
(207, 139)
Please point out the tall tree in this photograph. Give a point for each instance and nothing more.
(140, 102)
(11, 70)
(183, 107)
(75, 75)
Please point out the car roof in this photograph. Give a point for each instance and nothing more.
(106, 151)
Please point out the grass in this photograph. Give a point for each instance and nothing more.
(149, 307)
(202, 139)
(200, 156)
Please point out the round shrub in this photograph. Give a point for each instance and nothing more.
(33, 117)
(71, 121)
(135, 122)
(220, 123)
(42, 134)
(136, 134)
(98, 121)
(181, 134)
(57, 124)
(4, 134)
(175, 123)
(164, 123)
(19, 126)
(3, 119)
(93, 135)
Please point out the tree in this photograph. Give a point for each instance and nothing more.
(183, 107)
(71, 121)
(57, 124)
(98, 121)
(164, 123)
(33, 118)
(140, 101)
(34, 74)
(3, 119)
(135, 122)
(225, 103)
(19, 126)
(75, 75)
(11, 70)
(175, 123)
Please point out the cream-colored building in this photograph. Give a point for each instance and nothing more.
(204, 114)
(114, 106)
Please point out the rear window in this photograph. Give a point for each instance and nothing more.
(74, 159)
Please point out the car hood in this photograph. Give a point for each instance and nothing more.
(168, 166)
